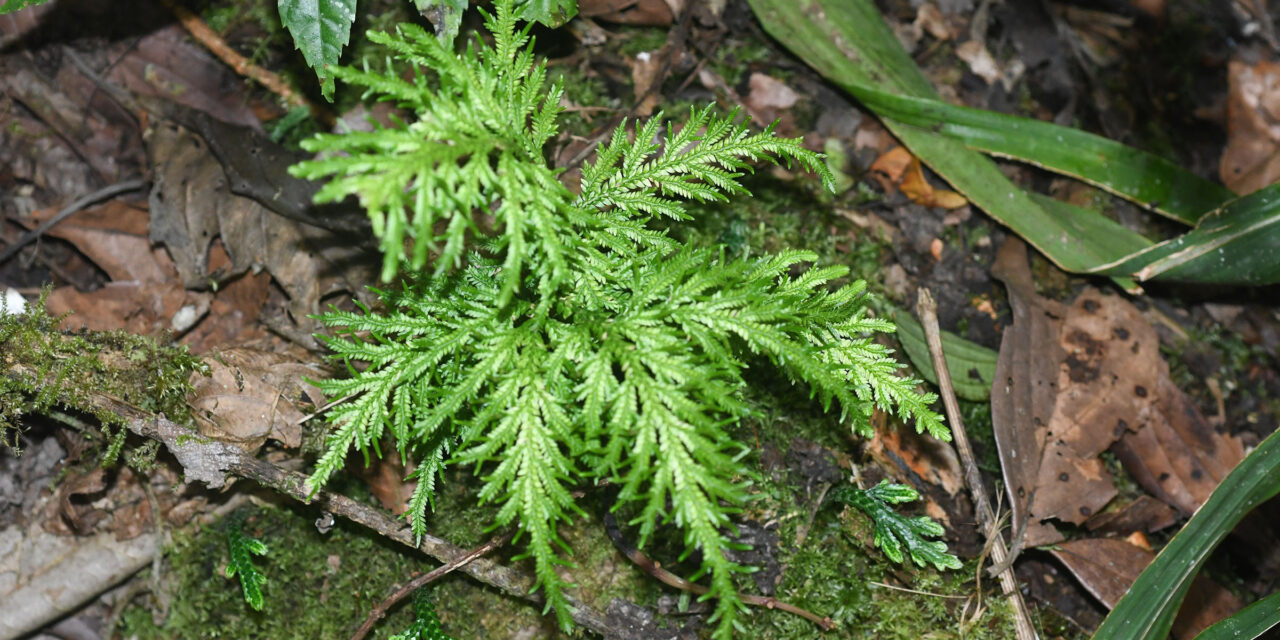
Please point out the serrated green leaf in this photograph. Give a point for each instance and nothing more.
(551, 13)
(894, 532)
(17, 5)
(320, 29)
(445, 15)
(580, 344)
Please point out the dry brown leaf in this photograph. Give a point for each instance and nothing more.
(144, 296)
(645, 69)
(768, 97)
(1107, 568)
(975, 54)
(1023, 394)
(1144, 514)
(917, 188)
(898, 167)
(250, 397)
(385, 476)
(1097, 365)
(1177, 456)
(889, 167)
(654, 13)
(191, 208)
(167, 64)
(1251, 159)
(930, 20)
(80, 516)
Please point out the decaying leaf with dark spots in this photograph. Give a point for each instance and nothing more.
(1024, 392)
(1096, 363)
(191, 206)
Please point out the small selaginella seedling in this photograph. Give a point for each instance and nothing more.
(554, 339)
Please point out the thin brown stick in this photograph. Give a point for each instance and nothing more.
(219, 47)
(69, 210)
(670, 579)
(927, 309)
(380, 611)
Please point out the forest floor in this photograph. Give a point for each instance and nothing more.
(182, 259)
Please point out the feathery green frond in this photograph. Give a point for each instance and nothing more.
(552, 340)
(894, 531)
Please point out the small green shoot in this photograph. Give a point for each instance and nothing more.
(426, 624)
(242, 549)
(893, 530)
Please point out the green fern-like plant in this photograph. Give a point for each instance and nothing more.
(242, 549)
(551, 339)
(894, 531)
(426, 624)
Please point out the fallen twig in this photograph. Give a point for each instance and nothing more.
(380, 611)
(666, 577)
(219, 47)
(69, 210)
(927, 309)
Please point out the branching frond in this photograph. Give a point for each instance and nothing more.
(701, 161)
(552, 340)
(475, 148)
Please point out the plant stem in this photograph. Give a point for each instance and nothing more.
(927, 309)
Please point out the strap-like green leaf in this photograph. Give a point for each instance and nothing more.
(972, 366)
(1235, 244)
(850, 44)
(1248, 623)
(1135, 175)
(320, 29)
(1147, 610)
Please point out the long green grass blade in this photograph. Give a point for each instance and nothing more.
(1144, 178)
(848, 42)
(1248, 623)
(1238, 243)
(1146, 612)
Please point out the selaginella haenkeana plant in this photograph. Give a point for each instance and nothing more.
(553, 339)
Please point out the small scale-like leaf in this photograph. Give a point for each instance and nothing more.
(320, 29)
